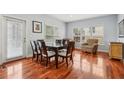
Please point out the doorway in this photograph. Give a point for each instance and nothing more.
(15, 38)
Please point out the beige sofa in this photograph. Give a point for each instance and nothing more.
(91, 46)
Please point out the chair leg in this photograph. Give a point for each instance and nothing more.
(47, 62)
(72, 59)
(2, 66)
(33, 56)
(41, 58)
(49, 59)
(62, 59)
(37, 57)
(67, 61)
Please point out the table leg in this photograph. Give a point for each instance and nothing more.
(56, 57)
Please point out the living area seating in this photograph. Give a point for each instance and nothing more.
(91, 46)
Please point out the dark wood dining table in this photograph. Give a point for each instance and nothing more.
(56, 48)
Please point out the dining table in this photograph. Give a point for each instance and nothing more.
(56, 47)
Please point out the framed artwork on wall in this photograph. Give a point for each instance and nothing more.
(37, 26)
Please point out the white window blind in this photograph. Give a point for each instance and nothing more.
(14, 39)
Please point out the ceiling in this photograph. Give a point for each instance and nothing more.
(75, 17)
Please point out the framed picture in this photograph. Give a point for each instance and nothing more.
(37, 26)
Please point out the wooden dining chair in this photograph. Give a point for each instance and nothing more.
(68, 54)
(39, 43)
(47, 54)
(58, 41)
(35, 50)
(65, 41)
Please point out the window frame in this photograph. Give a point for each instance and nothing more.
(83, 35)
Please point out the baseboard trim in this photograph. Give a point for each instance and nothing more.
(8, 61)
(28, 56)
(105, 51)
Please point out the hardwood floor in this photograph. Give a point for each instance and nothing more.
(86, 66)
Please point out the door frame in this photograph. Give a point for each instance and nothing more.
(1, 40)
(4, 36)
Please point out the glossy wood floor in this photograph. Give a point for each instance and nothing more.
(86, 66)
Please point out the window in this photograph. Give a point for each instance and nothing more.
(83, 34)
(86, 34)
(76, 33)
(98, 33)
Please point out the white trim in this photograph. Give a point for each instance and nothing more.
(99, 50)
(106, 51)
(30, 55)
(1, 40)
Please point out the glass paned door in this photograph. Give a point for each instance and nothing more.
(15, 38)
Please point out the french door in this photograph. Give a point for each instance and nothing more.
(15, 38)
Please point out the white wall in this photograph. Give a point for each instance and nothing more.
(45, 19)
(57, 23)
(110, 28)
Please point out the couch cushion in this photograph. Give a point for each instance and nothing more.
(87, 47)
(92, 41)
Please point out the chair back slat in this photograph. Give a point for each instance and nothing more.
(34, 46)
(39, 43)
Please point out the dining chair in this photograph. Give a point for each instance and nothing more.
(35, 50)
(68, 54)
(65, 41)
(47, 54)
(58, 41)
(39, 43)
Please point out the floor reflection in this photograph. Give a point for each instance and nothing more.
(94, 66)
(86, 66)
(14, 71)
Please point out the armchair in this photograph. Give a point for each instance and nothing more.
(91, 46)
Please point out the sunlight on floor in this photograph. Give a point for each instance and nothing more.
(14, 71)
